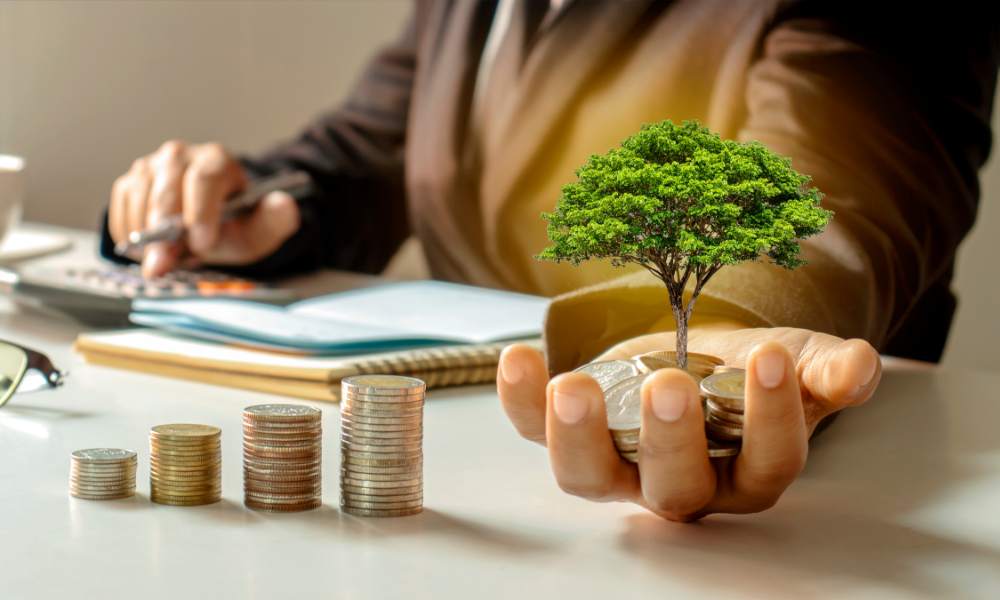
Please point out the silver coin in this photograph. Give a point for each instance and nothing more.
(720, 449)
(382, 385)
(609, 372)
(624, 404)
(283, 411)
(727, 387)
(103, 455)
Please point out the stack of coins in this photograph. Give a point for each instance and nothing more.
(282, 457)
(102, 474)
(621, 382)
(185, 464)
(723, 396)
(381, 445)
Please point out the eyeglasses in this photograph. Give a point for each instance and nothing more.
(16, 361)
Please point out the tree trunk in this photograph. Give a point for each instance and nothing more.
(681, 321)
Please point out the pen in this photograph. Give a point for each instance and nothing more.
(172, 228)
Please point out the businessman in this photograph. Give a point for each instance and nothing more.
(461, 133)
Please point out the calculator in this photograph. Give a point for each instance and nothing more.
(103, 295)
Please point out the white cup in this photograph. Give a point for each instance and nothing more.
(11, 192)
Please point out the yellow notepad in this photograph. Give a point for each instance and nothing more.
(312, 377)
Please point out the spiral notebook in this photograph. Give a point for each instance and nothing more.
(300, 376)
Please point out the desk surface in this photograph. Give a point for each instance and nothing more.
(900, 499)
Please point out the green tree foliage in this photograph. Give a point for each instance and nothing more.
(682, 202)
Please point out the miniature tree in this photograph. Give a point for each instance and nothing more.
(682, 203)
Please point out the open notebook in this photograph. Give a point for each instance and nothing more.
(311, 377)
(387, 317)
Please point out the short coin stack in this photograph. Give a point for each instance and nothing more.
(381, 445)
(723, 394)
(185, 464)
(282, 457)
(621, 382)
(102, 474)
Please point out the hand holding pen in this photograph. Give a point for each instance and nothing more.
(193, 203)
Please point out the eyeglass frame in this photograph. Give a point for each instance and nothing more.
(37, 361)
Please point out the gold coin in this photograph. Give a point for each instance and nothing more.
(185, 430)
(279, 498)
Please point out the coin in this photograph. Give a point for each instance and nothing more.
(607, 373)
(119, 496)
(347, 486)
(718, 449)
(282, 412)
(288, 507)
(382, 385)
(103, 455)
(624, 404)
(725, 389)
(382, 476)
(184, 431)
(380, 429)
(356, 497)
(363, 512)
(399, 504)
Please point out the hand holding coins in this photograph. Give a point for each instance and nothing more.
(621, 382)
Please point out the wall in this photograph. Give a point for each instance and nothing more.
(85, 87)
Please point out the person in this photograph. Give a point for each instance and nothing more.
(461, 133)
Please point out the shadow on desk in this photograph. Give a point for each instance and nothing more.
(854, 513)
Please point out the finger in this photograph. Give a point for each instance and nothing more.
(677, 477)
(521, 380)
(209, 180)
(117, 209)
(165, 199)
(839, 373)
(137, 195)
(774, 431)
(583, 457)
(252, 238)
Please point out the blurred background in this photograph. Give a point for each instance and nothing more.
(86, 87)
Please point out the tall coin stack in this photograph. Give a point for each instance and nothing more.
(724, 401)
(381, 445)
(282, 457)
(102, 474)
(185, 464)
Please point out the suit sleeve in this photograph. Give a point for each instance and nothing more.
(892, 124)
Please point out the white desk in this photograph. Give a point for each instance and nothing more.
(900, 499)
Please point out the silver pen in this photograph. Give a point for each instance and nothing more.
(172, 228)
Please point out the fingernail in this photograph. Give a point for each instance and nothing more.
(770, 368)
(669, 402)
(570, 408)
(510, 370)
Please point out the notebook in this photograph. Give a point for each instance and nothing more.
(392, 316)
(310, 377)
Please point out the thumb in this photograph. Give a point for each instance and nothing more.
(839, 373)
(258, 235)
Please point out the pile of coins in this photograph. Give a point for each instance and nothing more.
(185, 464)
(723, 396)
(282, 457)
(102, 474)
(621, 382)
(381, 445)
